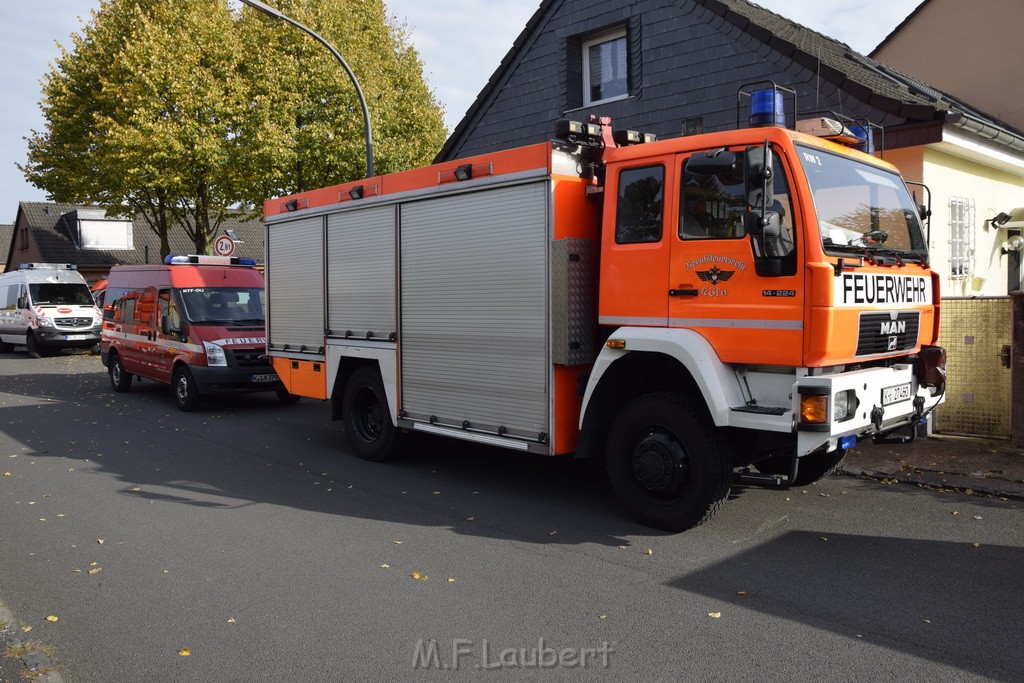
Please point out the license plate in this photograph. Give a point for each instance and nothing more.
(900, 392)
(268, 377)
(75, 337)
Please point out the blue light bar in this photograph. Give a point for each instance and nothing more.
(182, 259)
(766, 108)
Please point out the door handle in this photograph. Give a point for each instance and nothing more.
(682, 292)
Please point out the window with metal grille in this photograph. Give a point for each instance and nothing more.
(961, 238)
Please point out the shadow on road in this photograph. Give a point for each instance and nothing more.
(847, 584)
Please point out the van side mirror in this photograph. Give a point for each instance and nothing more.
(166, 328)
(23, 301)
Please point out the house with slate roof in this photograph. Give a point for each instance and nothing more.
(674, 67)
(6, 231)
(45, 232)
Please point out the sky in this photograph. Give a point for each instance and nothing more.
(486, 29)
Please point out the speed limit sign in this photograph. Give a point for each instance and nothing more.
(224, 246)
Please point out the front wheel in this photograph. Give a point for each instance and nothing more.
(813, 467)
(32, 346)
(286, 397)
(186, 393)
(667, 462)
(120, 380)
(5, 347)
(368, 424)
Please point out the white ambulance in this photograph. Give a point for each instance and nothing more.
(47, 307)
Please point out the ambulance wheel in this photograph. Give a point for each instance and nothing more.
(32, 345)
(5, 347)
(286, 397)
(120, 380)
(186, 393)
(813, 467)
(368, 424)
(667, 462)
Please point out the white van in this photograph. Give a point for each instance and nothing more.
(47, 306)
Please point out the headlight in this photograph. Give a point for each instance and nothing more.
(845, 405)
(215, 354)
(44, 322)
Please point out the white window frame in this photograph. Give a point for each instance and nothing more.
(604, 37)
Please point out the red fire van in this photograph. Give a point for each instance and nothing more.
(195, 322)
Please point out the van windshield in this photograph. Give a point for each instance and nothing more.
(58, 293)
(222, 305)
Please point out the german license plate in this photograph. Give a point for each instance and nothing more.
(266, 377)
(900, 392)
(75, 337)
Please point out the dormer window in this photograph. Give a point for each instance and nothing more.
(605, 67)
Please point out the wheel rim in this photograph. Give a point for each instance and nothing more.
(367, 415)
(115, 372)
(182, 389)
(660, 466)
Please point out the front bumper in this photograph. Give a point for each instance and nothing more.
(62, 338)
(883, 399)
(229, 380)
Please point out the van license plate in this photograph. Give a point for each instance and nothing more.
(268, 377)
(75, 337)
(900, 392)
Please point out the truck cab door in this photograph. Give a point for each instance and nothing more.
(741, 291)
(635, 244)
(165, 346)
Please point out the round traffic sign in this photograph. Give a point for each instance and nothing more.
(224, 246)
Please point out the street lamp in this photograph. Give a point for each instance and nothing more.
(275, 14)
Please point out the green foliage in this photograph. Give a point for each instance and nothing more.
(179, 111)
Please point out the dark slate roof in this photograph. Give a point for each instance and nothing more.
(54, 232)
(6, 237)
(884, 88)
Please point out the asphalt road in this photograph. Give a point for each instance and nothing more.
(248, 534)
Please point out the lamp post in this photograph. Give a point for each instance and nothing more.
(275, 14)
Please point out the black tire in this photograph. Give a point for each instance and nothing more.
(186, 393)
(368, 425)
(6, 347)
(120, 379)
(32, 345)
(667, 462)
(813, 467)
(287, 398)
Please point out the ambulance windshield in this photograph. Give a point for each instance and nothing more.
(222, 305)
(60, 293)
(862, 208)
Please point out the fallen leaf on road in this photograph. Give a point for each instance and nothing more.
(7, 474)
(398, 542)
(184, 652)
(136, 489)
(95, 570)
(93, 564)
(650, 551)
(976, 545)
(231, 620)
(100, 541)
(419, 577)
(552, 533)
(26, 629)
(715, 615)
(977, 516)
(451, 580)
(955, 512)
(742, 594)
(385, 566)
(52, 618)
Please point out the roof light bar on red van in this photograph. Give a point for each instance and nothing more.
(183, 259)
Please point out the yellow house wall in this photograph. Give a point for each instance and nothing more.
(992, 191)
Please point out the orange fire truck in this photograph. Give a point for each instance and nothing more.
(758, 298)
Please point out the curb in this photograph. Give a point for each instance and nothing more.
(33, 660)
(961, 483)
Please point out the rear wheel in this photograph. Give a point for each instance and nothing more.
(120, 380)
(813, 467)
(368, 424)
(667, 462)
(186, 393)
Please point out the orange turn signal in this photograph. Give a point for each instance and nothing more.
(814, 409)
(616, 343)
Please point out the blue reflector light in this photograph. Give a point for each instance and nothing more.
(848, 441)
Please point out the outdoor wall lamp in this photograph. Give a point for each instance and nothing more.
(1000, 219)
(276, 14)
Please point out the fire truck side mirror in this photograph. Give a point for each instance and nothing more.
(768, 225)
(758, 178)
(713, 162)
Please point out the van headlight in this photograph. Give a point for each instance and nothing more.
(215, 354)
(44, 322)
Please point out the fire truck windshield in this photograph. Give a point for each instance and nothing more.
(861, 208)
(222, 305)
